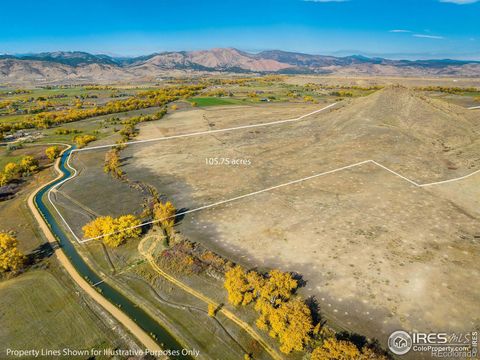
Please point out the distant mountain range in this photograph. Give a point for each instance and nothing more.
(85, 67)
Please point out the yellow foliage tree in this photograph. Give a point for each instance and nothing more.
(144, 99)
(29, 164)
(333, 349)
(11, 170)
(97, 227)
(246, 287)
(3, 179)
(126, 227)
(290, 322)
(83, 140)
(10, 257)
(164, 215)
(237, 285)
(284, 318)
(174, 107)
(112, 164)
(52, 152)
(212, 310)
(113, 231)
(278, 287)
(266, 311)
(256, 283)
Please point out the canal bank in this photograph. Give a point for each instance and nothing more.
(151, 334)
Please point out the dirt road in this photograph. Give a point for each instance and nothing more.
(230, 315)
(129, 324)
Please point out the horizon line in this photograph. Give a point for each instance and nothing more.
(351, 53)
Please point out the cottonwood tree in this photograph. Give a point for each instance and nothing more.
(52, 152)
(112, 164)
(237, 285)
(11, 259)
(290, 322)
(113, 231)
(83, 140)
(29, 164)
(11, 170)
(284, 317)
(3, 179)
(164, 215)
(278, 287)
(333, 349)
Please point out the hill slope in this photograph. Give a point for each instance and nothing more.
(81, 66)
(422, 138)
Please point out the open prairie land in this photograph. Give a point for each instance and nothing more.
(57, 317)
(377, 251)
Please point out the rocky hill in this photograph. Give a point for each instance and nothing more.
(85, 67)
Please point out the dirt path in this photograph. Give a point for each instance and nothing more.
(227, 313)
(129, 324)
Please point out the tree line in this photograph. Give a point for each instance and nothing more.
(144, 99)
(15, 170)
(448, 89)
(116, 231)
(287, 317)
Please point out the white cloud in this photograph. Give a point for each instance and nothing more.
(399, 31)
(428, 36)
(460, 2)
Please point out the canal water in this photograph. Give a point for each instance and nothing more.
(158, 333)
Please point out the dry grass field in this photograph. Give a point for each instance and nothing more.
(383, 80)
(56, 316)
(377, 252)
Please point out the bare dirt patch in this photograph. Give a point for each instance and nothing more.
(378, 252)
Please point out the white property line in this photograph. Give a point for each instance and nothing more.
(230, 200)
(55, 187)
(157, 139)
(207, 132)
(237, 197)
(277, 187)
(451, 180)
(119, 273)
(474, 107)
(395, 173)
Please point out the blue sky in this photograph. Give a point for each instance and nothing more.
(389, 28)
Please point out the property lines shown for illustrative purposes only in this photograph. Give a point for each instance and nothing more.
(240, 197)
